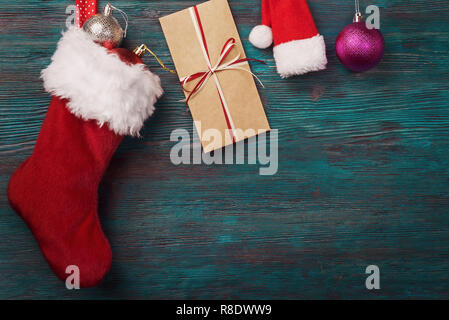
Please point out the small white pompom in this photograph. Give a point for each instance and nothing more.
(261, 36)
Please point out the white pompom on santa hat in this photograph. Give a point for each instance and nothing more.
(298, 47)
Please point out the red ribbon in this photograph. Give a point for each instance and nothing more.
(84, 10)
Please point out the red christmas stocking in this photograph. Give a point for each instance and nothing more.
(97, 98)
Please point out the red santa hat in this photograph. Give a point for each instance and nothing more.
(298, 47)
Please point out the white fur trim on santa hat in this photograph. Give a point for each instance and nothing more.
(300, 56)
(261, 36)
(99, 85)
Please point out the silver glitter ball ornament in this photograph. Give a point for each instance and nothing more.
(104, 29)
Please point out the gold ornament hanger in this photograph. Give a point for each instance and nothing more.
(140, 51)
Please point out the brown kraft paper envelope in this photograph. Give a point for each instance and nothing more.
(238, 86)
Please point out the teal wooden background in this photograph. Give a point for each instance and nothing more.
(363, 170)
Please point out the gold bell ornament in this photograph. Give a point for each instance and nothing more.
(104, 29)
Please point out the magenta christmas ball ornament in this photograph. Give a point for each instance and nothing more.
(359, 48)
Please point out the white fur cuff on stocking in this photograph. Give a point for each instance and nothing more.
(99, 86)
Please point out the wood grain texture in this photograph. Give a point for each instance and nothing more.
(363, 170)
